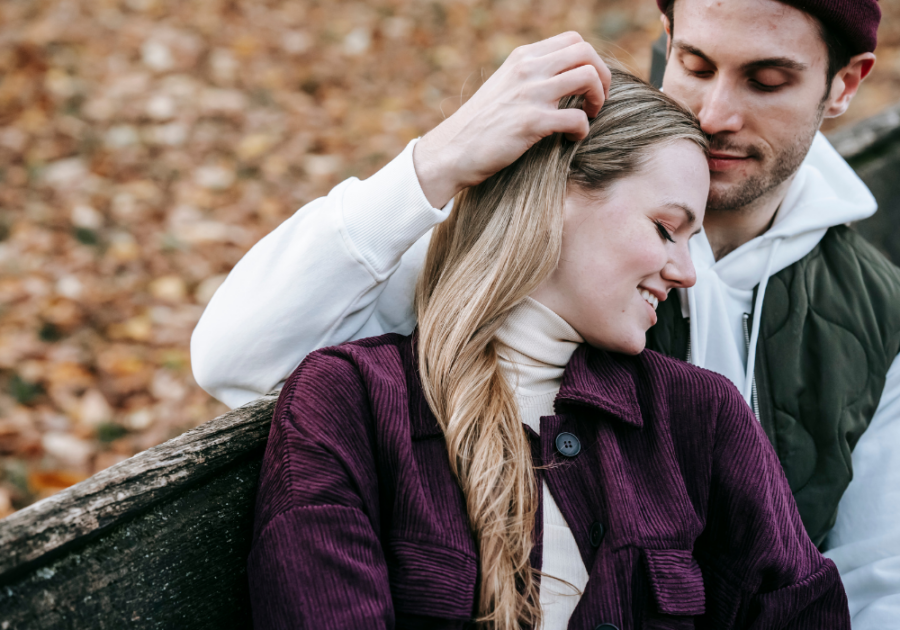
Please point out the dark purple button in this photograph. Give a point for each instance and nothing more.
(568, 445)
(597, 534)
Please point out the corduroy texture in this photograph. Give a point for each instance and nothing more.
(856, 21)
(360, 524)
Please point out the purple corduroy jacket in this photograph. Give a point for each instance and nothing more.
(671, 489)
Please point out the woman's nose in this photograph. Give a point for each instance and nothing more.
(679, 271)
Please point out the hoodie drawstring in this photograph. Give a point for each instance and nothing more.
(757, 318)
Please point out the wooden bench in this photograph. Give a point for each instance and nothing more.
(872, 147)
(161, 540)
(157, 541)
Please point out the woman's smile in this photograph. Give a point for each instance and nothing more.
(652, 300)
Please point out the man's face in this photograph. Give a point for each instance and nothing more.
(754, 73)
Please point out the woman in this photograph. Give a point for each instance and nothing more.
(401, 489)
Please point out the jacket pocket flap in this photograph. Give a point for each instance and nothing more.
(431, 580)
(676, 581)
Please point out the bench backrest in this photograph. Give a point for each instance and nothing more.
(157, 541)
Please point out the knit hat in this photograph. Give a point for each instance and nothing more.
(854, 21)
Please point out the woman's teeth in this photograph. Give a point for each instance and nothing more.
(652, 300)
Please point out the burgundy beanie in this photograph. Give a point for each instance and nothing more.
(854, 21)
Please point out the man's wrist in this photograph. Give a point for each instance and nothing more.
(435, 170)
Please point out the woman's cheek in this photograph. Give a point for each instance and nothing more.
(651, 260)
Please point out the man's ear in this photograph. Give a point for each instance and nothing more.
(665, 22)
(846, 83)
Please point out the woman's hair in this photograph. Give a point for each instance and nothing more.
(502, 239)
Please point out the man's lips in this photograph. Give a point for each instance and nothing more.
(726, 161)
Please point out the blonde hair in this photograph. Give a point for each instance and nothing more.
(501, 241)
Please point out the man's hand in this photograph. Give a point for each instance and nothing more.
(514, 109)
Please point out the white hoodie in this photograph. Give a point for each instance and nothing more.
(825, 192)
(344, 267)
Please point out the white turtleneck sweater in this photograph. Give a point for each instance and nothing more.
(536, 346)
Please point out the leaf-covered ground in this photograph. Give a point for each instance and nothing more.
(145, 145)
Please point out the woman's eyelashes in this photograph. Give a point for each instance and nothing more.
(663, 232)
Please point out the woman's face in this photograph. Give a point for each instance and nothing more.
(623, 250)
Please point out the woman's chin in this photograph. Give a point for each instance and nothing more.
(635, 348)
(630, 344)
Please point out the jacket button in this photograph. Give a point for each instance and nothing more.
(597, 534)
(606, 626)
(568, 445)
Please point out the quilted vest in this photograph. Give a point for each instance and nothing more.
(830, 330)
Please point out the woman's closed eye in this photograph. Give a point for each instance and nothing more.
(663, 232)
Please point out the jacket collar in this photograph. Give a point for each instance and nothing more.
(604, 381)
(594, 378)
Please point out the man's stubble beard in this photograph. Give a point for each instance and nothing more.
(783, 165)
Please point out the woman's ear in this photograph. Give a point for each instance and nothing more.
(846, 83)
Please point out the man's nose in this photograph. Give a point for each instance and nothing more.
(720, 111)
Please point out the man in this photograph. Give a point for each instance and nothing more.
(785, 293)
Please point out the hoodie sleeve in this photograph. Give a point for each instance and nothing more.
(342, 268)
(761, 570)
(865, 540)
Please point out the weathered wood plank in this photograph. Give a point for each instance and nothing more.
(179, 564)
(879, 168)
(106, 499)
(852, 142)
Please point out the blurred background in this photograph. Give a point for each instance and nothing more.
(145, 145)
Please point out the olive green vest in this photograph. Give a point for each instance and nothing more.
(829, 333)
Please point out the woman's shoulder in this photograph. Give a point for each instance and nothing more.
(367, 377)
(337, 414)
(678, 373)
(383, 358)
(693, 392)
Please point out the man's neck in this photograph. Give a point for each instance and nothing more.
(727, 230)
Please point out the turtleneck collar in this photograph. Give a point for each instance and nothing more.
(535, 346)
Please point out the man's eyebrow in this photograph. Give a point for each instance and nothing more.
(775, 62)
(692, 50)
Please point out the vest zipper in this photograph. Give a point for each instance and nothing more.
(753, 396)
(688, 358)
